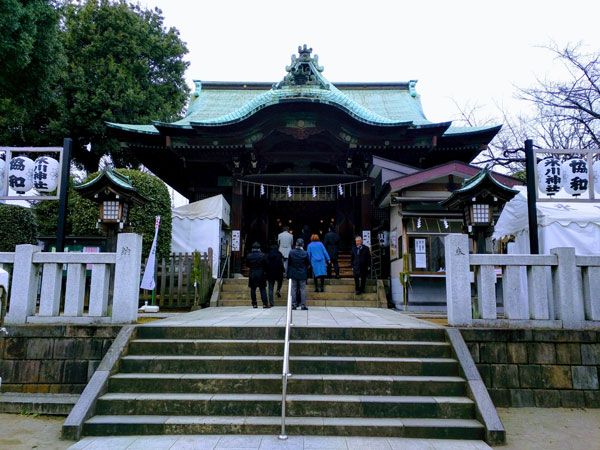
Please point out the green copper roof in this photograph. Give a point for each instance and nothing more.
(475, 180)
(115, 177)
(383, 104)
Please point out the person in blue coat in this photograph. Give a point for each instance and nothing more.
(319, 258)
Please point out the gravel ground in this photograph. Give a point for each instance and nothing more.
(527, 429)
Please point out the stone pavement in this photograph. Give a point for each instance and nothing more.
(258, 442)
(316, 316)
(526, 428)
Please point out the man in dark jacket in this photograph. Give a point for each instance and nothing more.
(257, 278)
(305, 236)
(297, 271)
(275, 272)
(331, 241)
(361, 264)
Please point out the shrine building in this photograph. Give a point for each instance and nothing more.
(306, 151)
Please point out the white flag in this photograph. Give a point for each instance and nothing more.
(148, 278)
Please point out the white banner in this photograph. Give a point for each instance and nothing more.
(148, 278)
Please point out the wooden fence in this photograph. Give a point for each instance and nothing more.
(174, 282)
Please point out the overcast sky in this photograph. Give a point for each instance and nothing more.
(468, 51)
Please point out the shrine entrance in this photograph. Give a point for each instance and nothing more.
(264, 218)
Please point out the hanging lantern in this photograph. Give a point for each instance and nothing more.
(2, 174)
(596, 171)
(262, 189)
(20, 174)
(576, 176)
(289, 191)
(314, 192)
(45, 174)
(550, 176)
(340, 189)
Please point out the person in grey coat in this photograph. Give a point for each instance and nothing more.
(297, 271)
(285, 240)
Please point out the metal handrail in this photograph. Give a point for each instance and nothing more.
(286, 359)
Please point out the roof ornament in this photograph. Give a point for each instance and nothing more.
(304, 71)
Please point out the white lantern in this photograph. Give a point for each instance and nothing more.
(550, 176)
(45, 174)
(2, 174)
(20, 174)
(576, 176)
(596, 169)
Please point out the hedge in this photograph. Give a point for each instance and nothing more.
(17, 226)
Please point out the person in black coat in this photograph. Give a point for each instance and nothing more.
(257, 278)
(361, 265)
(297, 271)
(305, 236)
(331, 241)
(275, 272)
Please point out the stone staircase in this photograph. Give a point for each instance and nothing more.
(346, 381)
(235, 292)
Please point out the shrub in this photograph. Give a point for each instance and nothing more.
(17, 226)
(86, 212)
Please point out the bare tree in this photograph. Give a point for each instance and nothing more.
(566, 114)
(569, 110)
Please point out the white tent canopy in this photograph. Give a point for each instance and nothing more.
(199, 226)
(560, 224)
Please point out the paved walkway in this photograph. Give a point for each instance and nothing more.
(316, 316)
(257, 442)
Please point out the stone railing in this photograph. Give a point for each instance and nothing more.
(29, 262)
(559, 290)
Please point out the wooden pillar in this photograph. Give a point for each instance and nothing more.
(366, 206)
(236, 224)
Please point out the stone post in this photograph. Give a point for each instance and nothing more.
(591, 292)
(127, 278)
(23, 291)
(568, 300)
(486, 292)
(51, 287)
(458, 285)
(99, 290)
(75, 291)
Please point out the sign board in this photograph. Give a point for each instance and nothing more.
(235, 240)
(366, 237)
(393, 243)
(23, 174)
(420, 255)
(567, 175)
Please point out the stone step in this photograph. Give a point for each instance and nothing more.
(310, 295)
(47, 404)
(297, 405)
(297, 347)
(297, 384)
(330, 303)
(321, 426)
(338, 288)
(243, 281)
(298, 365)
(154, 331)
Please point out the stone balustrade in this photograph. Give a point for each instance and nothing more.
(559, 290)
(29, 264)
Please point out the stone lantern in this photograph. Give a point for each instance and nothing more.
(115, 195)
(480, 198)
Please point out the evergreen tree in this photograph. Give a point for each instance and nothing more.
(123, 66)
(32, 58)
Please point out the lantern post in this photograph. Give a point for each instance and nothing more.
(530, 162)
(63, 194)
